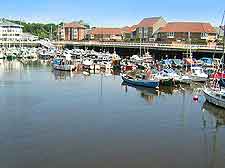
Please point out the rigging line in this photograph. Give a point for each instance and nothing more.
(222, 22)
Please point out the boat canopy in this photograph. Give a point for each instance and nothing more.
(167, 62)
(177, 61)
(135, 57)
(218, 75)
(207, 60)
(168, 70)
(57, 61)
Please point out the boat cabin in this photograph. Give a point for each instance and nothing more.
(197, 70)
(207, 61)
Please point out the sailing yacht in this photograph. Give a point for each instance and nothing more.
(216, 94)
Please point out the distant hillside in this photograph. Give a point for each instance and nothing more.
(42, 30)
(39, 29)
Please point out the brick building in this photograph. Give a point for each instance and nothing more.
(72, 32)
(107, 34)
(148, 28)
(183, 32)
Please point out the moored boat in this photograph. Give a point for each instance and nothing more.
(216, 97)
(198, 75)
(63, 65)
(215, 94)
(152, 83)
(184, 79)
(87, 63)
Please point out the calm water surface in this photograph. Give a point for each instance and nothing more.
(66, 120)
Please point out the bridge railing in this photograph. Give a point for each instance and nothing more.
(151, 45)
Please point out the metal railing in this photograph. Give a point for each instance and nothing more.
(117, 44)
(147, 45)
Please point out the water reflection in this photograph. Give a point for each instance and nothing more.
(40, 122)
(10, 66)
(147, 93)
(20, 65)
(62, 75)
(217, 112)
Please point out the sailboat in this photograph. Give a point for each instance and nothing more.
(216, 97)
(215, 94)
(197, 73)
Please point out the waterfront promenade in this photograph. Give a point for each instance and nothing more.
(153, 46)
(156, 46)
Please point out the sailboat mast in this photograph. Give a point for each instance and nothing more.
(223, 47)
(20, 37)
(51, 33)
(140, 46)
(189, 38)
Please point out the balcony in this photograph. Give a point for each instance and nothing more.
(204, 37)
(170, 37)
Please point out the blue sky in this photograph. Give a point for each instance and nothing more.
(113, 12)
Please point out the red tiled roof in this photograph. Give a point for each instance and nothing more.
(148, 22)
(195, 27)
(73, 25)
(108, 31)
(134, 27)
(128, 29)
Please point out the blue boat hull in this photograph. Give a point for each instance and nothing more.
(145, 83)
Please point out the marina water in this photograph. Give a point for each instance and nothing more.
(61, 119)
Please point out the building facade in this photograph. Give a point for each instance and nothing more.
(28, 37)
(106, 34)
(129, 32)
(10, 31)
(185, 32)
(72, 32)
(148, 28)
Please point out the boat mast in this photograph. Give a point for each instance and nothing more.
(223, 48)
(20, 37)
(51, 36)
(189, 38)
(218, 35)
(140, 46)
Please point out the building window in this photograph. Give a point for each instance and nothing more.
(140, 30)
(145, 30)
(204, 35)
(170, 35)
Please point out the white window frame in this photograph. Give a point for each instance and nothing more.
(170, 34)
(204, 35)
(140, 30)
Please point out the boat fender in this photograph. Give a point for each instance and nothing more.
(195, 98)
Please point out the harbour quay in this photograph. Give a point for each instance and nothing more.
(127, 49)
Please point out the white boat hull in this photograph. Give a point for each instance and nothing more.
(185, 81)
(212, 97)
(199, 79)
